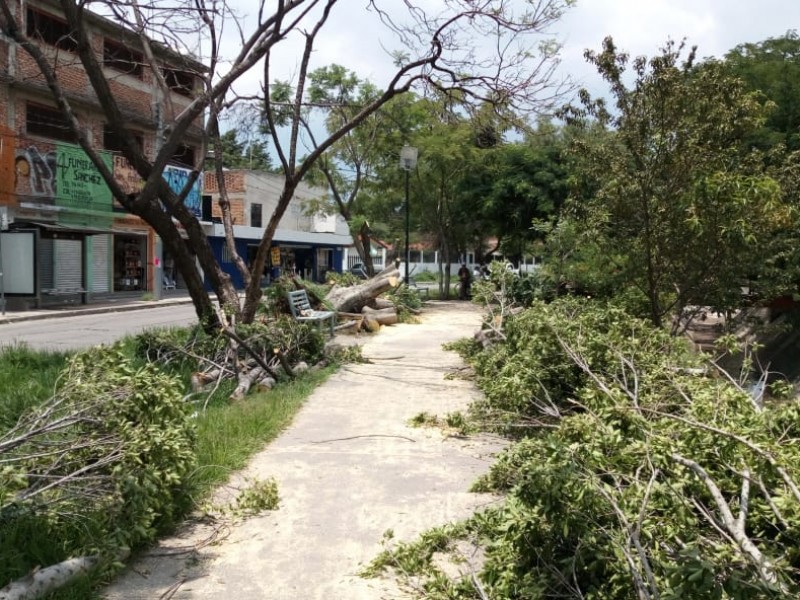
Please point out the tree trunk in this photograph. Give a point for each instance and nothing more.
(42, 582)
(354, 298)
(384, 316)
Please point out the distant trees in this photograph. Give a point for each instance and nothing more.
(772, 67)
(244, 154)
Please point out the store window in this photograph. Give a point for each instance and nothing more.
(121, 58)
(112, 140)
(180, 82)
(184, 156)
(130, 255)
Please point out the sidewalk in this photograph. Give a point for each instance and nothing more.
(119, 304)
(349, 468)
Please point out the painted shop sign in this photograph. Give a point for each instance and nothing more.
(63, 175)
(78, 182)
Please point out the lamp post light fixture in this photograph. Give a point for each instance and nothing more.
(408, 160)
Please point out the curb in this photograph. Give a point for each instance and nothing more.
(57, 314)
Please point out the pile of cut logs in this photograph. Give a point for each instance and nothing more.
(359, 307)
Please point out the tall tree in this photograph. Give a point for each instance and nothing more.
(244, 154)
(515, 184)
(683, 214)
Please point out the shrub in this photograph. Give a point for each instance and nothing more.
(637, 475)
(100, 467)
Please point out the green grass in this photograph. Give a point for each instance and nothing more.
(27, 378)
(229, 434)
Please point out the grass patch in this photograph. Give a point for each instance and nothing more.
(27, 378)
(229, 434)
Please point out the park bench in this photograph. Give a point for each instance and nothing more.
(302, 311)
(421, 291)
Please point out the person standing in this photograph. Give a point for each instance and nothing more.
(464, 277)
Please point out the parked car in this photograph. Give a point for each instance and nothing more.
(360, 271)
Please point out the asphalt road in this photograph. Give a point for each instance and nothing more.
(73, 333)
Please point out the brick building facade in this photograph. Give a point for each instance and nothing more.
(68, 239)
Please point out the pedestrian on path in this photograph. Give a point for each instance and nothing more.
(465, 279)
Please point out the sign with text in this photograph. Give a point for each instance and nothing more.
(80, 187)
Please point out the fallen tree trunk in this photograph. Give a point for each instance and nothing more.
(380, 303)
(42, 582)
(354, 298)
(246, 381)
(384, 316)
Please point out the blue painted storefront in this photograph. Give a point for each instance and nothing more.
(306, 256)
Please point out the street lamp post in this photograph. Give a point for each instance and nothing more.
(408, 160)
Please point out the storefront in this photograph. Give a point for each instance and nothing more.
(130, 263)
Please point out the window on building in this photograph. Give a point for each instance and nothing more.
(255, 214)
(113, 141)
(184, 156)
(180, 82)
(47, 122)
(206, 209)
(121, 58)
(50, 30)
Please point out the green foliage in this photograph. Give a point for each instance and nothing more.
(257, 497)
(244, 154)
(601, 499)
(672, 204)
(298, 341)
(426, 276)
(404, 297)
(345, 279)
(415, 558)
(122, 460)
(772, 67)
(513, 184)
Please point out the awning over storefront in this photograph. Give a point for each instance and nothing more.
(63, 227)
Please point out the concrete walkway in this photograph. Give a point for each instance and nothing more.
(349, 468)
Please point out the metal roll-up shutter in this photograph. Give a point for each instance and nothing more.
(101, 276)
(68, 267)
(46, 263)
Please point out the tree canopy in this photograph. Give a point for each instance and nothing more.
(682, 213)
(772, 67)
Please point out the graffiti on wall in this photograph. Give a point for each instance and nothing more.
(63, 175)
(36, 172)
(177, 179)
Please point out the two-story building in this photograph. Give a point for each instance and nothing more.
(306, 243)
(67, 238)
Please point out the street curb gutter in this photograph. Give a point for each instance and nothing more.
(57, 314)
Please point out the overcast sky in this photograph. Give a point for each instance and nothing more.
(354, 37)
(640, 27)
